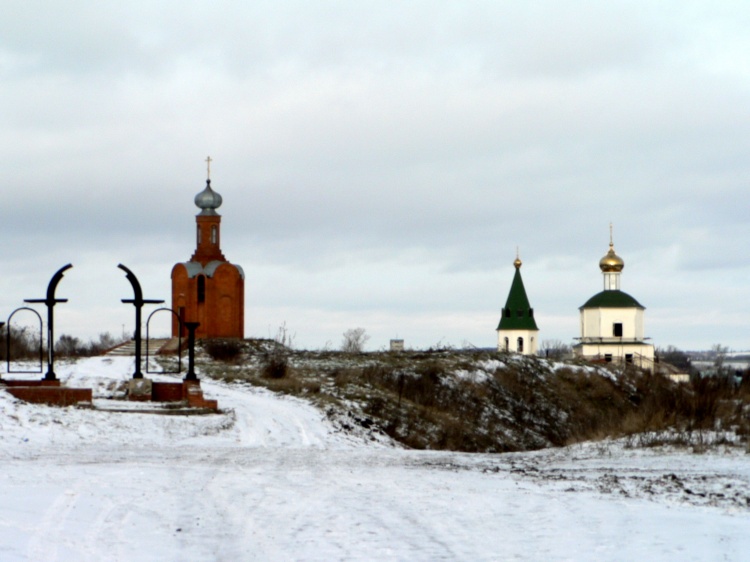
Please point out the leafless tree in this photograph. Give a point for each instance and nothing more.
(720, 355)
(354, 340)
(554, 349)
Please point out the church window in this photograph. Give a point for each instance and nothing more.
(198, 235)
(214, 234)
(519, 312)
(181, 321)
(507, 312)
(628, 358)
(531, 313)
(608, 357)
(507, 344)
(520, 345)
(201, 289)
(617, 329)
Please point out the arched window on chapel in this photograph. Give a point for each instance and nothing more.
(201, 289)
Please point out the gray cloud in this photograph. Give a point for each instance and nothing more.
(380, 163)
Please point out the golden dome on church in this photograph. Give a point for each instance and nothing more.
(517, 262)
(611, 262)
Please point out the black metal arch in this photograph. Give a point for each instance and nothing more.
(51, 301)
(138, 301)
(7, 341)
(179, 340)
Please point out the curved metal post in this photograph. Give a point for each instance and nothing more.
(51, 301)
(138, 301)
(7, 339)
(179, 340)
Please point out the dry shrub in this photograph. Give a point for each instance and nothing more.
(594, 404)
(376, 375)
(286, 385)
(274, 366)
(376, 407)
(20, 343)
(708, 395)
(292, 383)
(311, 387)
(274, 361)
(228, 350)
(232, 376)
(705, 404)
(343, 377)
(424, 388)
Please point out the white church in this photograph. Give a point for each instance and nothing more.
(612, 321)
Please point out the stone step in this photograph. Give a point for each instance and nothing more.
(56, 395)
(128, 348)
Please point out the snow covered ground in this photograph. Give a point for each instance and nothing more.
(271, 479)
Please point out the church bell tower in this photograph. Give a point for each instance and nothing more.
(517, 331)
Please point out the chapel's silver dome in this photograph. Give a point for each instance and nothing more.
(208, 200)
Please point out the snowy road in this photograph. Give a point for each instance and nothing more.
(272, 480)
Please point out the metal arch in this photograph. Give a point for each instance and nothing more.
(52, 287)
(50, 302)
(179, 341)
(138, 301)
(7, 341)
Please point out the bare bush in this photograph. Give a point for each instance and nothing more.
(275, 365)
(70, 346)
(275, 360)
(676, 357)
(23, 343)
(106, 342)
(227, 350)
(354, 340)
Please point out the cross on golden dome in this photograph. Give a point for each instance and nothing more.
(611, 262)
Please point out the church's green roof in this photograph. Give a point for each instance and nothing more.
(517, 314)
(612, 299)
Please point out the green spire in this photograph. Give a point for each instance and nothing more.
(517, 314)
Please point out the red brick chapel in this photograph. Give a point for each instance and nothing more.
(208, 289)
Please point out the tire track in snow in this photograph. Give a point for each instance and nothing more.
(105, 538)
(244, 507)
(264, 419)
(44, 542)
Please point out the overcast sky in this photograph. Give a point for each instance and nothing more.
(381, 161)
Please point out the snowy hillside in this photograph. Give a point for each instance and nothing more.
(270, 478)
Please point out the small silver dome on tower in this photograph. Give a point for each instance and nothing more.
(208, 200)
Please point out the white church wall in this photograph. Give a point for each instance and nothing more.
(641, 354)
(530, 341)
(599, 322)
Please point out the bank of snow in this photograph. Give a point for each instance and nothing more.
(271, 479)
